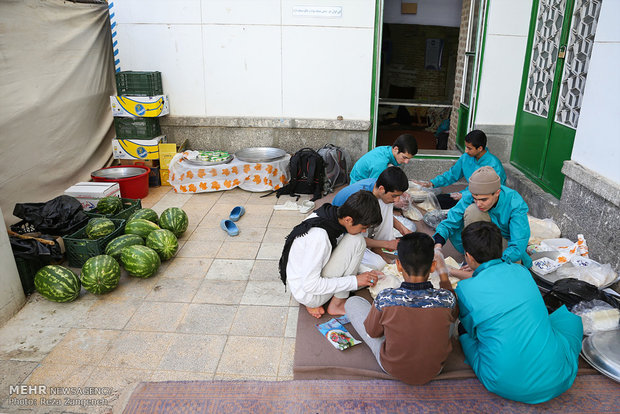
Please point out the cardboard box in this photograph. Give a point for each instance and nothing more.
(146, 163)
(168, 151)
(139, 106)
(137, 149)
(164, 175)
(89, 193)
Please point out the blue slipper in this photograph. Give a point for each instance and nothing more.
(229, 227)
(236, 213)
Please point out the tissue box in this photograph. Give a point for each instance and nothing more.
(88, 194)
(137, 149)
(139, 106)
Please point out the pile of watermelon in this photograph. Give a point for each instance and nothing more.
(148, 240)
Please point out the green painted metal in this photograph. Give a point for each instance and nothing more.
(461, 126)
(481, 58)
(376, 55)
(540, 145)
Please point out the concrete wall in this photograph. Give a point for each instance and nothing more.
(11, 295)
(597, 141)
(430, 12)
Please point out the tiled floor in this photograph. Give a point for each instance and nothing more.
(215, 311)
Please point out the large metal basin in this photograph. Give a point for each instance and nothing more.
(118, 172)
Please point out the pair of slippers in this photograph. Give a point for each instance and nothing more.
(228, 225)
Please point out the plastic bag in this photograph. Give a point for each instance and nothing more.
(597, 316)
(34, 249)
(570, 292)
(434, 217)
(59, 216)
(337, 334)
(541, 229)
(589, 271)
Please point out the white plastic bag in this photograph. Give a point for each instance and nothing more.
(541, 229)
(597, 316)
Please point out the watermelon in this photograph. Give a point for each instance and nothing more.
(174, 219)
(140, 261)
(100, 274)
(145, 213)
(164, 242)
(119, 243)
(141, 227)
(109, 205)
(57, 283)
(99, 227)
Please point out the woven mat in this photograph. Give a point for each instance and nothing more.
(589, 394)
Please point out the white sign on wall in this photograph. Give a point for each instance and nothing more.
(317, 11)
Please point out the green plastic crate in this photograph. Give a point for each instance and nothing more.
(79, 248)
(129, 207)
(139, 83)
(137, 128)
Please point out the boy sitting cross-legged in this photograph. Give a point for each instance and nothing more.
(408, 328)
(322, 254)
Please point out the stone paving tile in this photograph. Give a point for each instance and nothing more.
(291, 322)
(230, 377)
(285, 369)
(238, 250)
(250, 220)
(208, 234)
(235, 196)
(209, 319)
(276, 234)
(199, 353)
(249, 355)
(157, 317)
(265, 270)
(60, 375)
(119, 381)
(28, 343)
(230, 269)
(270, 251)
(283, 221)
(131, 287)
(162, 376)
(206, 249)
(220, 291)
(137, 350)
(265, 293)
(187, 268)
(174, 290)
(259, 321)
(247, 234)
(111, 313)
(81, 347)
(257, 198)
(44, 313)
(13, 373)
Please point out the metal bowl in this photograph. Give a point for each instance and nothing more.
(601, 350)
(260, 154)
(119, 172)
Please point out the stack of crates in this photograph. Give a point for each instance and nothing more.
(137, 108)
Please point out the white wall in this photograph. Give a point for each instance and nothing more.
(597, 141)
(430, 12)
(502, 68)
(12, 294)
(252, 58)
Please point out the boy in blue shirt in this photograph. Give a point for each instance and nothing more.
(392, 182)
(488, 200)
(372, 164)
(476, 156)
(516, 349)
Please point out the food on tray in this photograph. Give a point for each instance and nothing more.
(212, 156)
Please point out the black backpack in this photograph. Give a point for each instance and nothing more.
(307, 174)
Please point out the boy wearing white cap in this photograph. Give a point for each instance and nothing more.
(488, 200)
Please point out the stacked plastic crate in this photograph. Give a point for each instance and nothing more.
(136, 109)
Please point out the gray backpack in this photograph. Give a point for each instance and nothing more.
(337, 166)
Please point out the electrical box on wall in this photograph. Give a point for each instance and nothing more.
(408, 8)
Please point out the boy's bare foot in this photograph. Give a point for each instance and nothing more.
(316, 312)
(336, 307)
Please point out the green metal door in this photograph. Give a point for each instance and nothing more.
(556, 62)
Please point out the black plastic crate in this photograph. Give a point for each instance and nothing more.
(137, 128)
(139, 83)
(27, 268)
(79, 248)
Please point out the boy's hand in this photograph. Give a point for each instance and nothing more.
(368, 278)
(391, 244)
(456, 196)
(440, 264)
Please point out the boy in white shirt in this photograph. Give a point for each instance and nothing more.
(322, 254)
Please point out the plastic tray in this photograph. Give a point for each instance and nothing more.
(139, 83)
(79, 248)
(137, 128)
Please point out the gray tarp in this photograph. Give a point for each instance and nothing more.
(56, 76)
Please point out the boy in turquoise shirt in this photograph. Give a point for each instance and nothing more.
(374, 162)
(476, 156)
(488, 200)
(516, 349)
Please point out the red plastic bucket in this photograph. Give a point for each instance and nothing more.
(134, 186)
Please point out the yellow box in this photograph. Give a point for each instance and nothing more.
(139, 106)
(137, 149)
(164, 175)
(168, 151)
